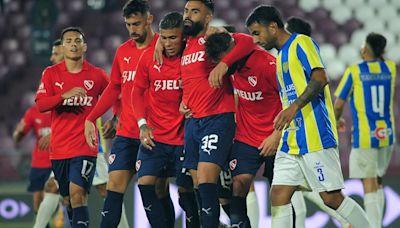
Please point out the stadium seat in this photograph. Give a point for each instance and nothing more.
(341, 14)
(331, 4)
(309, 5)
(328, 51)
(349, 53)
(364, 13)
(374, 25)
(393, 53)
(387, 12)
(335, 68)
(354, 3)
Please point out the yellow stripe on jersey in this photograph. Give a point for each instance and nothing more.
(314, 126)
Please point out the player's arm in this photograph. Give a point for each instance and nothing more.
(244, 45)
(270, 144)
(343, 91)
(19, 132)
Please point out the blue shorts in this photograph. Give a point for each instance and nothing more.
(79, 170)
(246, 159)
(123, 154)
(209, 139)
(225, 184)
(163, 160)
(38, 178)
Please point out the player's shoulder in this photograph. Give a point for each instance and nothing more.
(94, 68)
(126, 46)
(263, 54)
(390, 63)
(51, 70)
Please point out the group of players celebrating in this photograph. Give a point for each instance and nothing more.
(194, 101)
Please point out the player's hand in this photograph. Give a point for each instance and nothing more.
(270, 144)
(217, 74)
(110, 128)
(158, 52)
(44, 142)
(146, 137)
(90, 134)
(283, 119)
(74, 92)
(184, 110)
(341, 125)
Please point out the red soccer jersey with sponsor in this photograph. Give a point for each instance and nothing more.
(122, 74)
(259, 103)
(40, 124)
(68, 117)
(163, 83)
(202, 99)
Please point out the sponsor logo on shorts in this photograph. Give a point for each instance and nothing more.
(232, 164)
(111, 158)
(138, 164)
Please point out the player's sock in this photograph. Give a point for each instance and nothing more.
(169, 210)
(209, 205)
(317, 200)
(227, 209)
(381, 202)
(353, 213)
(123, 223)
(371, 205)
(152, 205)
(282, 216)
(112, 208)
(198, 201)
(239, 212)
(80, 218)
(46, 209)
(187, 201)
(70, 213)
(300, 209)
(253, 211)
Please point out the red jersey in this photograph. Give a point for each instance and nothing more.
(68, 116)
(40, 123)
(163, 83)
(123, 72)
(202, 99)
(259, 102)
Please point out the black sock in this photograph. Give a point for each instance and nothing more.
(239, 212)
(187, 201)
(152, 205)
(169, 210)
(112, 209)
(209, 205)
(80, 217)
(227, 209)
(70, 213)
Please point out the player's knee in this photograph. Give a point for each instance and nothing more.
(102, 190)
(116, 186)
(280, 195)
(241, 185)
(78, 197)
(51, 186)
(332, 199)
(162, 187)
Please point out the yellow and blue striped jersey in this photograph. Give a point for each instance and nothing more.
(370, 86)
(314, 126)
(102, 142)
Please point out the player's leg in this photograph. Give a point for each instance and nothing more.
(225, 193)
(81, 173)
(120, 171)
(253, 210)
(216, 136)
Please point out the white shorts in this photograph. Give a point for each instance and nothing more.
(101, 174)
(367, 163)
(317, 171)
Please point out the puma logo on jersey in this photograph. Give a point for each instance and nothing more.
(193, 58)
(78, 101)
(250, 96)
(167, 85)
(60, 84)
(126, 59)
(157, 67)
(128, 76)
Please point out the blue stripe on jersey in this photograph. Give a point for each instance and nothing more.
(304, 60)
(101, 150)
(344, 93)
(285, 146)
(388, 86)
(356, 130)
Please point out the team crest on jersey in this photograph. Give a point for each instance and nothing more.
(88, 84)
(202, 41)
(285, 67)
(138, 164)
(252, 80)
(111, 158)
(232, 164)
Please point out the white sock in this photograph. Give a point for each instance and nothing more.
(381, 201)
(353, 213)
(317, 200)
(123, 223)
(300, 209)
(282, 216)
(46, 209)
(371, 205)
(253, 210)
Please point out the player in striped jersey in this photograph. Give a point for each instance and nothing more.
(307, 156)
(369, 86)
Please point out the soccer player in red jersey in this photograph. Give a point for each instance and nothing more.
(70, 90)
(40, 164)
(254, 80)
(126, 144)
(208, 96)
(161, 126)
